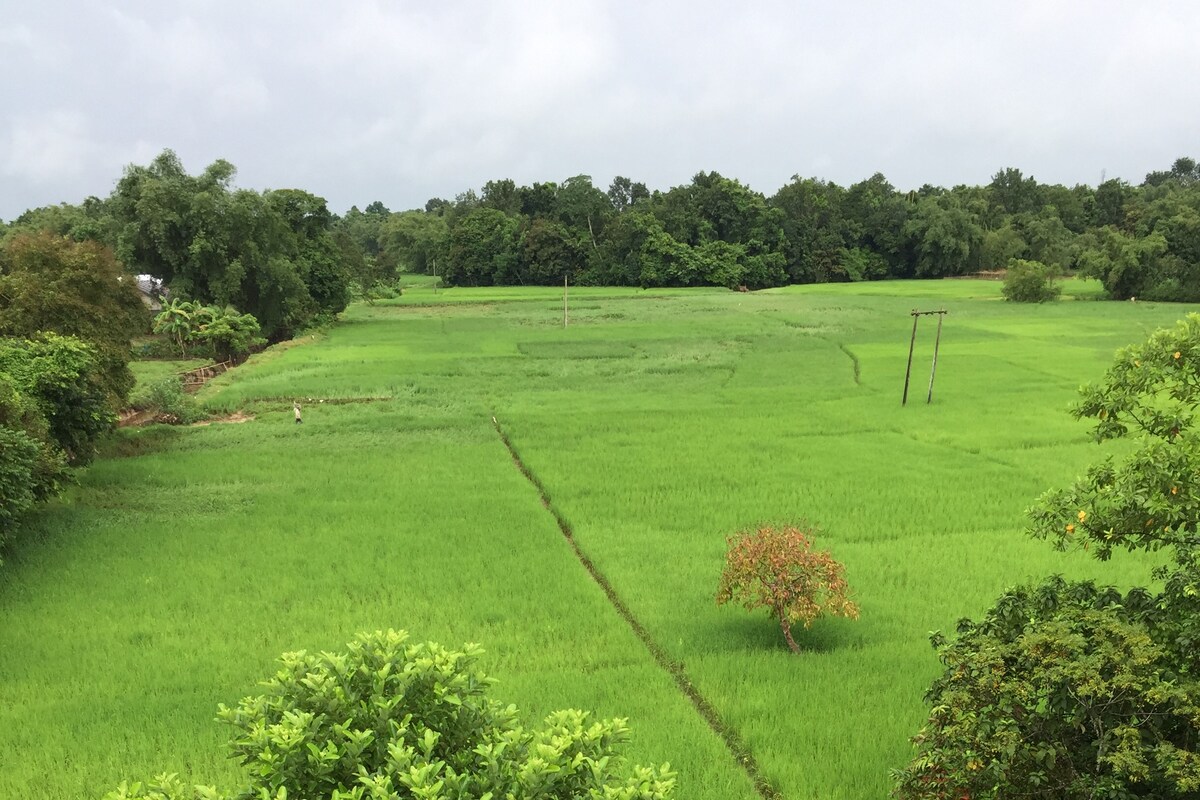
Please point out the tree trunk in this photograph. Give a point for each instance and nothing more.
(787, 632)
(592, 233)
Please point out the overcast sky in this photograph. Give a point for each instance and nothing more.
(403, 101)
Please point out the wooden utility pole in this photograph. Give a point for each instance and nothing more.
(911, 342)
(916, 315)
(933, 370)
(564, 301)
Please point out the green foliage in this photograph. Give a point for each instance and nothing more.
(168, 787)
(380, 290)
(777, 569)
(167, 399)
(814, 229)
(1050, 242)
(623, 193)
(875, 214)
(716, 231)
(63, 377)
(390, 720)
(483, 249)
(946, 235)
(1002, 245)
(719, 263)
(582, 207)
(860, 264)
(664, 260)
(1013, 192)
(411, 241)
(1030, 282)
(88, 221)
(1184, 171)
(50, 283)
(1109, 204)
(175, 321)
(550, 251)
(1149, 499)
(52, 409)
(1066, 691)
(230, 335)
(285, 258)
(317, 256)
(24, 421)
(222, 332)
(18, 463)
(1124, 263)
(272, 254)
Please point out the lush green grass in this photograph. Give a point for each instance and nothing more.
(150, 370)
(659, 423)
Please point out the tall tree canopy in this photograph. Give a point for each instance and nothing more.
(284, 257)
(269, 254)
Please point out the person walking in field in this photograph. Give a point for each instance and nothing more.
(296, 408)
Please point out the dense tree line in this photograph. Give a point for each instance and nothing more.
(1139, 241)
(285, 258)
(272, 254)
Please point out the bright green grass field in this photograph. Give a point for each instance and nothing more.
(659, 423)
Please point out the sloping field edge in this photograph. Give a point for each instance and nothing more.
(737, 748)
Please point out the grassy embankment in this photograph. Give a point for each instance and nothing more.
(658, 423)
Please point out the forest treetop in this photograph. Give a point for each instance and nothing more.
(219, 244)
(1139, 240)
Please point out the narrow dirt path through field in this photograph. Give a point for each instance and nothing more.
(727, 734)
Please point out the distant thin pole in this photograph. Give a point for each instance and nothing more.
(911, 343)
(564, 301)
(937, 341)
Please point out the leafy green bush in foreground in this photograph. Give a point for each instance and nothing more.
(389, 720)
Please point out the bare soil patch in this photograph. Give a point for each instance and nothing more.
(133, 418)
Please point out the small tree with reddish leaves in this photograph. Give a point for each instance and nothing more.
(778, 569)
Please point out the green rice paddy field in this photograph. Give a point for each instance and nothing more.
(659, 422)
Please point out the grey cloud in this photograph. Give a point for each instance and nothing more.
(401, 101)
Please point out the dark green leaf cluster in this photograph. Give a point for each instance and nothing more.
(52, 283)
(1065, 691)
(1030, 282)
(62, 376)
(270, 254)
(391, 720)
(283, 257)
(1149, 248)
(1140, 241)
(53, 408)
